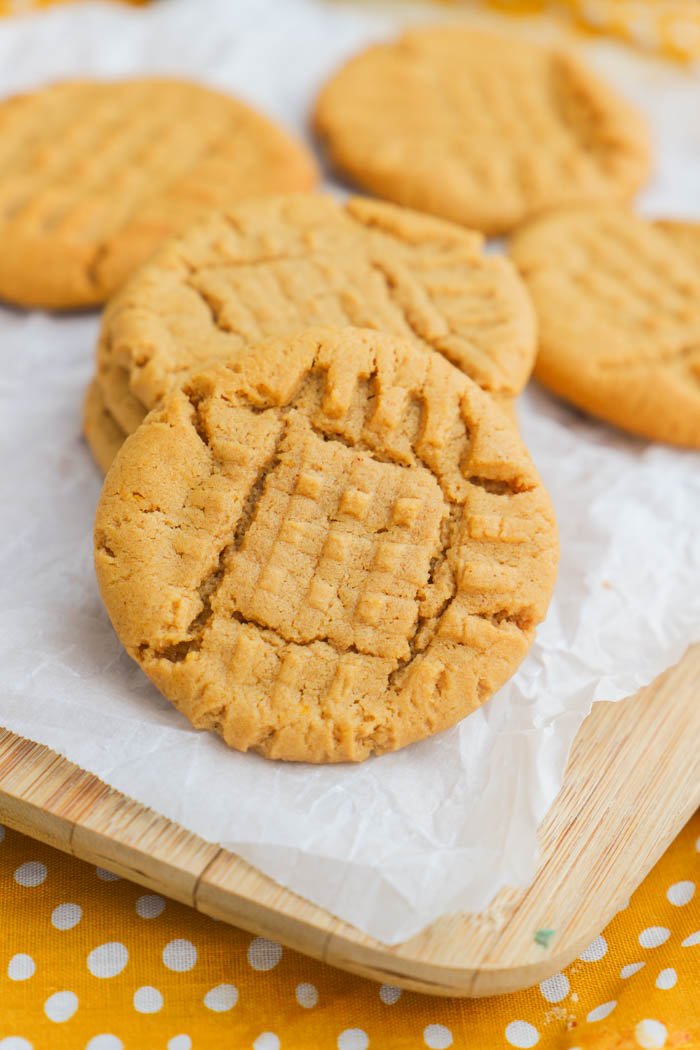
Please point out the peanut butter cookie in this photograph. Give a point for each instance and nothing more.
(93, 175)
(275, 266)
(618, 301)
(329, 548)
(482, 129)
(103, 434)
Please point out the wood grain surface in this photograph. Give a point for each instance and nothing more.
(632, 781)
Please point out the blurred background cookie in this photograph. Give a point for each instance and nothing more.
(479, 128)
(94, 174)
(618, 305)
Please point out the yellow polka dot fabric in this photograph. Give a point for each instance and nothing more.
(89, 961)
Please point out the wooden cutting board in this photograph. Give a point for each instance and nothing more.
(632, 781)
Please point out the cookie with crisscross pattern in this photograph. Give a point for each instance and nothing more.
(275, 266)
(618, 303)
(331, 547)
(93, 175)
(478, 128)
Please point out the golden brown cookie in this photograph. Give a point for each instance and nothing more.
(333, 546)
(103, 434)
(478, 128)
(93, 175)
(618, 301)
(274, 266)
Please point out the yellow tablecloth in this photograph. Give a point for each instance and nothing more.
(92, 961)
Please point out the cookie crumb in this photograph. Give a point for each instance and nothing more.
(559, 1013)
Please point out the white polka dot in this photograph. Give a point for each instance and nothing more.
(106, 876)
(179, 955)
(15, 1042)
(21, 967)
(32, 873)
(522, 1034)
(681, 892)
(697, 844)
(595, 950)
(653, 936)
(61, 1006)
(651, 1035)
(148, 1000)
(66, 916)
(108, 960)
(105, 1042)
(264, 954)
(389, 994)
(223, 997)
(555, 988)
(691, 941)
(307, 995)
(437, 1037)
(150, 905)
(602, 1011)
(631, 968)
(180, 1042)
(667, 978)
(267, 1041)
(353, 1039)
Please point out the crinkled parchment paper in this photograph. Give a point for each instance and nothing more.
(442, 825)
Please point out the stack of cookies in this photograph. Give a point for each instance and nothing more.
(320, 534)
(272, 266)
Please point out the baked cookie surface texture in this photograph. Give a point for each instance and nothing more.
(481, 129)
(103, 435)
(618, 304)
(275, 266)
(94, 174)
(332, 547)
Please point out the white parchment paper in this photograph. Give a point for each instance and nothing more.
(441, 826)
